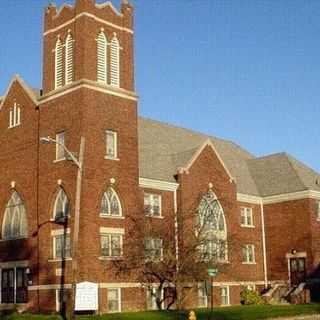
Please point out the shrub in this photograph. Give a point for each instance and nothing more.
(249, 297)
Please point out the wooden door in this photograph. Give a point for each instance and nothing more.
(7, 286)
(297, 270)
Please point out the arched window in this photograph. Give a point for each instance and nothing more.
(115, 62)
(58, 64)
(69, 59)
(211, 229)
(61, 205)
(102, 57)
(110, 204)
(15, 220)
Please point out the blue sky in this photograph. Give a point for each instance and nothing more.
(247, 71)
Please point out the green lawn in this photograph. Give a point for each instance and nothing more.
(228, 313)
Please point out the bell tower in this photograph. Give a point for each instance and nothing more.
(88, 41)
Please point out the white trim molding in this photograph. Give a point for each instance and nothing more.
(305, 194)
(90, 15)
(111, 230)
(157, 184)
(88, 84)
(14, 264)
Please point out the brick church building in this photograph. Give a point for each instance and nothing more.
(132, 167)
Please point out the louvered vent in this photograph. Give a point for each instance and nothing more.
(115, 62)
(58, 65)
(69, 59)
(102, 58)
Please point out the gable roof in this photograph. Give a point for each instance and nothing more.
(32, 93)
(164, 148)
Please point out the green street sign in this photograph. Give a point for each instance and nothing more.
(212, 272)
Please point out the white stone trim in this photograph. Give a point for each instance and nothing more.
(292, 196)
(49, 287)
(90, 15)
(157, 184)
(14, 264)
(89, 84)
(58, 232)
(104, 230)
(302, 254)
(109, 4)
(208, 142)
(305, 194)
(241, 197)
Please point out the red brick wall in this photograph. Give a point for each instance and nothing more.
(287, 228)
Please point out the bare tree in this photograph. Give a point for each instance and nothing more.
(151, 251)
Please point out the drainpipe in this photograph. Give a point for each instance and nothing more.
(264, 245)
(176, 227)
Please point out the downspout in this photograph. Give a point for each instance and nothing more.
(264, 245)
(176, 228)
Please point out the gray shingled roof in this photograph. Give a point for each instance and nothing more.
(164, 148)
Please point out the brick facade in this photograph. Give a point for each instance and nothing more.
(86, 108)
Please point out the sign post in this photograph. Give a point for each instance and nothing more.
(212, 272)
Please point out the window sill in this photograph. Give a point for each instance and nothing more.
(249, 263)
(59, 260)
(15, 126)
(155, 217)
(112, 217)
(111, 158)
(110, 258)
(59, 160)
(247, 226)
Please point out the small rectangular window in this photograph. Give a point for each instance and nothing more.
(60, 154)
(153, 249)
(248, 255)
(111, 245)
(152, 205)
(225, 298)
(202, 295)
(61, 246)
(114, 300)
(111, 144)
(246, 217)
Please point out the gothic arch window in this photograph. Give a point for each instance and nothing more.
(115, 62)
(102, 57)
(61, 206)
(212, 229)
(69, 59)
(58, 64)
(110, 204)
(15, 224)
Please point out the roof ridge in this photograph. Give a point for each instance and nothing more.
(295, 171)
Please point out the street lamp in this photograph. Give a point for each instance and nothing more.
(79, 163)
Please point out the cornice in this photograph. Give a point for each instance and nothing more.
(158, 184)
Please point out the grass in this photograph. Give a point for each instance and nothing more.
(228, 313)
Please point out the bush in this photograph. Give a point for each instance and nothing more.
(249, 297)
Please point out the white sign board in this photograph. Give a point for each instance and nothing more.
(86, 296)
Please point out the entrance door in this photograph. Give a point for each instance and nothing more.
(297, 270)
(7, 286)
(21, 286)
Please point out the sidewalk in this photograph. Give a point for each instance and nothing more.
(309, 317)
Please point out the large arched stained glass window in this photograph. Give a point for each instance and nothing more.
(61, 205)
(211, 229)
(110, 204)
(15, 224)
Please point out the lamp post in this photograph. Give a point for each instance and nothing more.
(79, 163)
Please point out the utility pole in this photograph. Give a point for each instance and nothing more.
(76, 225)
